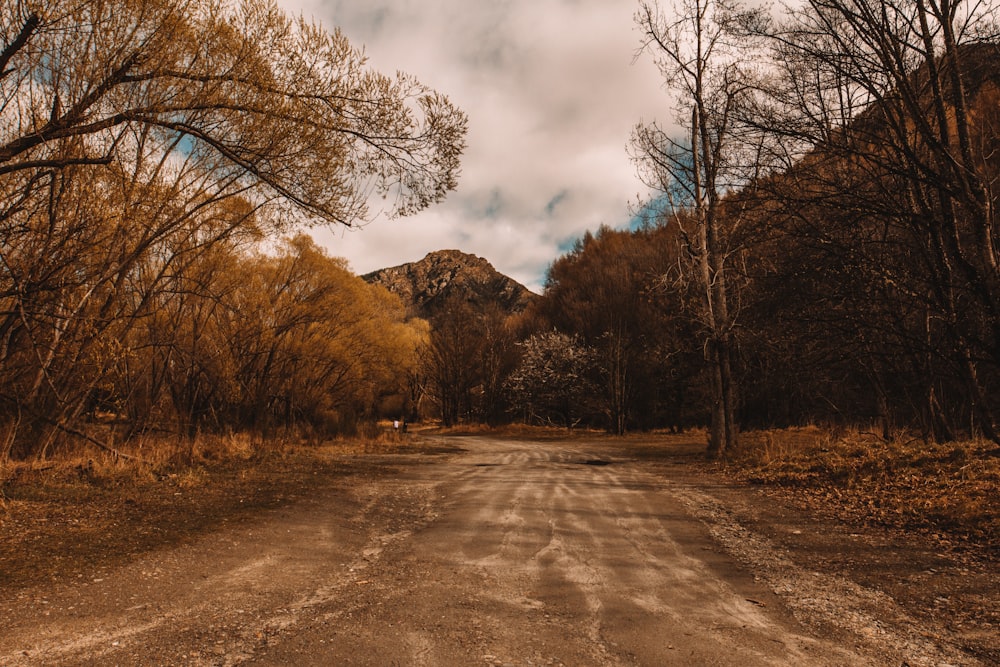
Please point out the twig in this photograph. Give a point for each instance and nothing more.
(97, 443)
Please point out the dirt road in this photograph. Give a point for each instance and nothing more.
(506, 552)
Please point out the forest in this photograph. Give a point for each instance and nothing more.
(155, 159)
(821, 247)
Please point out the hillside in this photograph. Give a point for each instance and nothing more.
(426, 286)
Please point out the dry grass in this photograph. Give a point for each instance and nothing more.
(950, 490)
(59, 517)
(78, 471)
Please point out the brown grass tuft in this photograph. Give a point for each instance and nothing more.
(949, 490)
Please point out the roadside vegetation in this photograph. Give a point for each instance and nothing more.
(949, 491)
(80, 512)
(158, 161)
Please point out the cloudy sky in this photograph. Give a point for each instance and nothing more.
(552, 94)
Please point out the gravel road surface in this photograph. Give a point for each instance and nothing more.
(502, 553)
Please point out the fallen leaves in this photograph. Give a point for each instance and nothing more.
(950, 492)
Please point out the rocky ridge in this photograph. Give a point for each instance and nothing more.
(428, 285)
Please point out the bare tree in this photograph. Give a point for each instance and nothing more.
(452, 357)
(497, 359)
(885, 112)
(694, 163)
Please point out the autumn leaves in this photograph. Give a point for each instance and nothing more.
(150, 152)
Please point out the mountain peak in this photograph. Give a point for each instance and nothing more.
(427, 285)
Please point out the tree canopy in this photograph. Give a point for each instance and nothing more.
(148, 148)
(275, 107)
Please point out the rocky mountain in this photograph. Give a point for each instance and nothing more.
(428, 285)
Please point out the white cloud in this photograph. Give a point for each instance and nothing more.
(551, 93)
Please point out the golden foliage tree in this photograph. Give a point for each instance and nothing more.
(142, 142)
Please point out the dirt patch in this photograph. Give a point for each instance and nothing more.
(60, 523)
